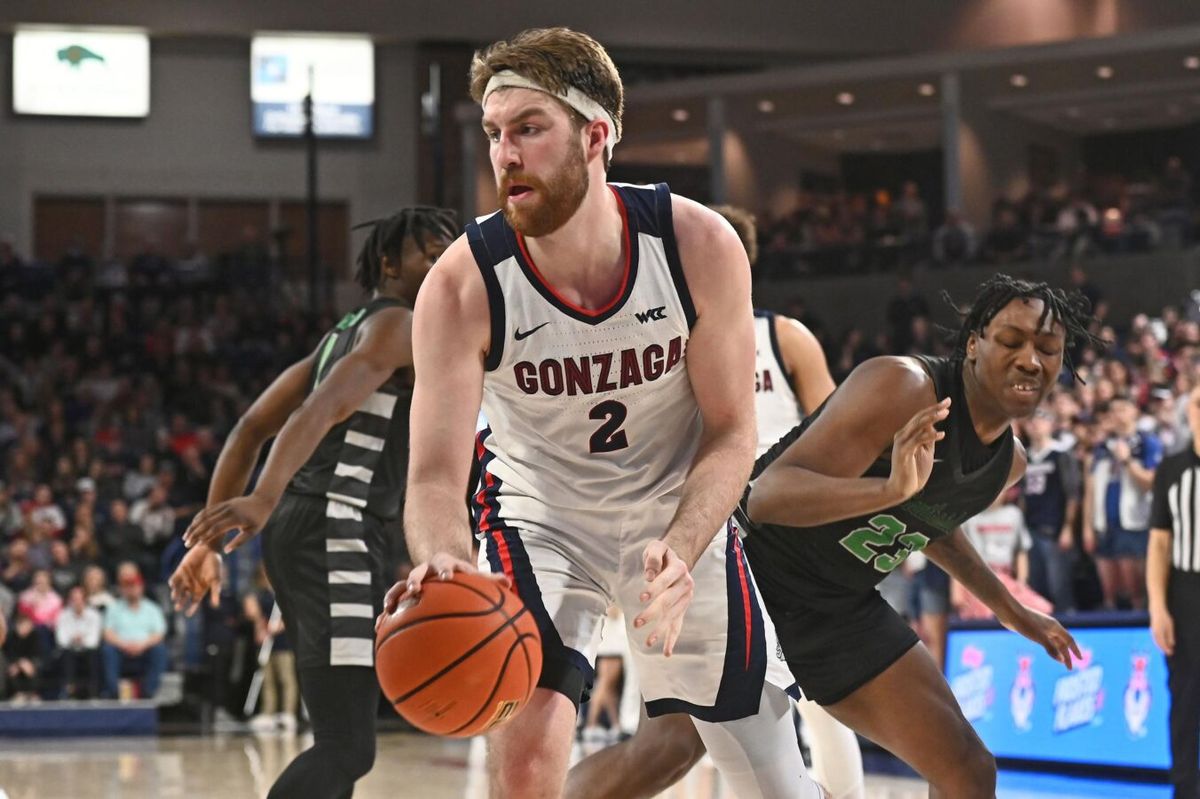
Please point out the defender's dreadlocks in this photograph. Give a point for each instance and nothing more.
(389, 233)
(1070, 309)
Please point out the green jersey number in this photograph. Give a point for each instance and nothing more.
(868, 543)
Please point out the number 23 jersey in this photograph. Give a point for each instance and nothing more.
(857, 553)
(587, 408)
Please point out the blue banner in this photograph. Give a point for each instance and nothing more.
(1111, 709)
(331, 120)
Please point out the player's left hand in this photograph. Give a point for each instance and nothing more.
(1045, 630)
(246, 514)
(669, 590)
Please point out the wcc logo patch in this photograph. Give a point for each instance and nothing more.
(652, 315)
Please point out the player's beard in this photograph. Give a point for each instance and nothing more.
(555, 200)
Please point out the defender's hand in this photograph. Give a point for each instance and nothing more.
(912, 450)
(1045, 630)
(441, 566)
(246, 514)
(199, 573)
(669, 590)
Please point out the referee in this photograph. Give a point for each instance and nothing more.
(1173, 586)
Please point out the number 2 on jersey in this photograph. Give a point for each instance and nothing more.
(609, 437)
(868, 543)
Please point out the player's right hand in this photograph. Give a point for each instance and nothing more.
(199, 573)
(441, 566)
(1162, 628)
(912, 450)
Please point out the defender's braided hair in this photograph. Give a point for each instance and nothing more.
(1070, 309)
(389, 233)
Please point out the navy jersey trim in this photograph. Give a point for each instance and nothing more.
(745, 666)
(525, 261)
(666, 230)
(773, 335)
(477, 238)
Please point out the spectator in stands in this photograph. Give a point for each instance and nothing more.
(279, 674)
(84, 548)
(44, 512)
(24, 653)
(1007, 241)
(18, 573)
(1175, 205)
(39, 601)
(911, 213)
(10, 514)
(122, 538)
(1117, 504)
(156, 518)
(1002, 539)
(65, 571)
(138, 483)
(1051, 489)
(134, 629)
(906, 305)
(954, 242)
(1077, 225)
(78, 636)
(95, 588)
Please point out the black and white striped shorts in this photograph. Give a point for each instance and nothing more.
(326, 561)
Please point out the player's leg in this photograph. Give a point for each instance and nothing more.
(328, 594)
(836, 758)
(559, 574)
(341, 702)
(759, 756)
(943, 747)
(657, 756)
(718, 672)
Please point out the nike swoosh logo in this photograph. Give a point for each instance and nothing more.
(520, 334)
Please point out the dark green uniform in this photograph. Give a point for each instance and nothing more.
(818, 583)
(325, 545)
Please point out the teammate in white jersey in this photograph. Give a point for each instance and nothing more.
(608, 332)
(791, 380)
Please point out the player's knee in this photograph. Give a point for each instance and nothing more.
(519, 767)
(974, 769)
(355, 759)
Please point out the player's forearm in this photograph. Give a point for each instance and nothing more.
(1158, 569)
(435, 520)
(294, 445)
(799, 497)
(961, 561)
(236, 462)
(713, 487)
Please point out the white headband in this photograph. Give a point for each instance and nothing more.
(589, 108)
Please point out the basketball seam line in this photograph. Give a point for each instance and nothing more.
(495, 687)
(460, 615)
(449, 667)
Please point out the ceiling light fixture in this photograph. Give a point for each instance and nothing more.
(1104, 72)
(1018, 80)
(1192, 62)
(680, 115)
(926, 90)
(845, 98)
(766, 106)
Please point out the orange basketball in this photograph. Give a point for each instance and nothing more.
(460, 659)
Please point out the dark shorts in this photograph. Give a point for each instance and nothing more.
(1120, 543)
(325, 560)
(833, 649)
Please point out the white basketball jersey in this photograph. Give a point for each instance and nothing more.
(587, 409)
(775, 401)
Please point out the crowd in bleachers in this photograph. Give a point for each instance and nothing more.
(839, 232)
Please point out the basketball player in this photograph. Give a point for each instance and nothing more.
(870, 478)
(791, 380)
(608, 332)
(334, 476)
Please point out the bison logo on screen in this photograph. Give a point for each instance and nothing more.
(1137, 697)
(1023, 693)
(77, 54)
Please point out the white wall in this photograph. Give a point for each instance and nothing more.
(197, 141)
